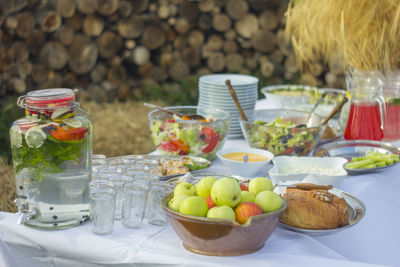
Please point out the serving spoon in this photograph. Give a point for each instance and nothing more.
(189, 117)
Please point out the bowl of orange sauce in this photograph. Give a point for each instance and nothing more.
(246, 162)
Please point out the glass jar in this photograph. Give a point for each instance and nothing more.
(51, 149)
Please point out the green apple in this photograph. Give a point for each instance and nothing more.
(256, 185)
(226, 191)
(268, 201)
(174, 203)
(203, 188)
(246, 196)
(194, 205)
(221, 212)
(184, 188)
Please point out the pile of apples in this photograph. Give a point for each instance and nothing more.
(225, 198)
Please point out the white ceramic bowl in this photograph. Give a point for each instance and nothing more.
(248, 169)
(322, 171)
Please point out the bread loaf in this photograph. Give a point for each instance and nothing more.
(315, 209)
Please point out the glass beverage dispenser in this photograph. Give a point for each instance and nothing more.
(51, 149)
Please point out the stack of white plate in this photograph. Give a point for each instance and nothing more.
(213, 93)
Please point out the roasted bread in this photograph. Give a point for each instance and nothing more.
(314, 209)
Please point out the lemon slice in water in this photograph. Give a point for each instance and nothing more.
(74, 123)
(16, 136)
(35, 137)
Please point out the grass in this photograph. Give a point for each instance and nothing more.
(119, 129)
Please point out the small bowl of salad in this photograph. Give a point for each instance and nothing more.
(283, 131)
(175, 136)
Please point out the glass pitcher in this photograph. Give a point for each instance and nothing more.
(51, 149)
(391, 94)
(367, 107)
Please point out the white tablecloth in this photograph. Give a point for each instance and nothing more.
(373, 241)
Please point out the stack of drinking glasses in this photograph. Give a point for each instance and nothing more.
(131, 186)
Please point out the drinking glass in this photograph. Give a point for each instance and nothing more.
(101, 208)
(134, 203)
(118, 182)
(154, 212)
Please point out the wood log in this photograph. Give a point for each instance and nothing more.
(93, 25)
(130, 44)
(24, 69)
(96, 93)
(180, 42)
(19, 51)
(39, 73)
(131, 27)
(153, 37)
(163, 11)
(266, 68)
(107, 7)
(125, 8)
(191, 56)
(11, 23)
(182, 25)
(247, 26)
(82, 54)
(230, 47)
(65, 35)
(196, 38)
(221, 23)
(189, 11)
(206, 5)
(244, 43)
(9, 7)
(276, 57)
(237, 9)
(141, 55)
(204, 22)
(206, 50)
(264, 41)
(315, 69)
(152, 7)
(308, 79)
(173, 10)
(215, 41)
(160, 74)
(109, 44)
(251, 60)
(291, 64)
(230, 35)
(54, 55)
(35, 42)
(51, 22)
(117, 75)
(25, 25)
(336, 64)
(146, 70)
(216, 62)
(66, 8)
(124, 92)
(75, 22)
(179, 70)
(203, 71)
(139, 5)
(166, 59)
(234, 63)
(18, 85)
(268, 20)
(69, 80)
(87, 6)
(284, 45)
(115, 61)
(170, 34)
(98, 73)
(171, 21)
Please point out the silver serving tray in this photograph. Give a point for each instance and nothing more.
(355, 148)
(357, 211)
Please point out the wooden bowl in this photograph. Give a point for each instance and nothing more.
(218, 237)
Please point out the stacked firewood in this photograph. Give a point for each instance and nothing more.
(110, 48)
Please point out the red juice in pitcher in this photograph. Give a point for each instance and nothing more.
(391, 131)
(364, 122)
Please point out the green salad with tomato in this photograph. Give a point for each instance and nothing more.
(283, 137)
(195, 139)
(45, 146)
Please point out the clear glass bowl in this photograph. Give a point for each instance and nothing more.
(282, 140)
(173, 136)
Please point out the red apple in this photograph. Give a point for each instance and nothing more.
(245, 210)
(210, 203)
(243, 187)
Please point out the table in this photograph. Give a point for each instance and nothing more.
(373, 241)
